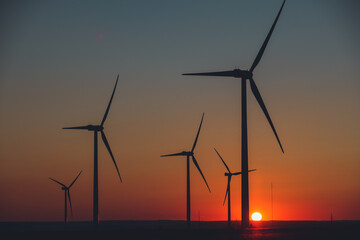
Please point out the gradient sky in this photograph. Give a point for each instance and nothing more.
(58, 65)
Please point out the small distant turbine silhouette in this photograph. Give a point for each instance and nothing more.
(189, 154)
(96, 129)
(67, 194)
(247, 75)
(229, 174)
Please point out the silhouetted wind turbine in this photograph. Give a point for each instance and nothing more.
(247, 75)
(67, 194)
(229, 174)
(96, 129)
(188, 155)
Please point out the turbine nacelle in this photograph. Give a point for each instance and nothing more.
(244, 74)
(95, 128)
(188, 153)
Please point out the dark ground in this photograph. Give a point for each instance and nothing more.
(177, 230)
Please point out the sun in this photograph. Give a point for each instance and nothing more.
(256, 216)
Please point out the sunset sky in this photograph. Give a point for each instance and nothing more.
(58, 65)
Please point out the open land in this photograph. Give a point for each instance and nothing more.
(178, 230)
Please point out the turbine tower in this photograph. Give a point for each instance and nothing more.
(67, 195)
(229, 174)
(247, 75)
(189, 154)
(96, 129)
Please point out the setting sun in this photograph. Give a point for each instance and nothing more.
(256, 216)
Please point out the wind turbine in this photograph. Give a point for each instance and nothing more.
(229, 174)
(67, 194)
(247, 75)
(189, 154)
(96, 129)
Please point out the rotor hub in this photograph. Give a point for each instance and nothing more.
(188, 153)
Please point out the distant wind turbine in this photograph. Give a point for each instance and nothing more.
(247, 75)
(96, 129)
(67, 194)
(189, 154)
(229, 174)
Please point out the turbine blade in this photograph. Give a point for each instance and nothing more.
(262, 49)
(175, 154)
(68, 193)
(238, 173)
(198, 167)
(227, 192)
(222, 160)
(109, 149)
(75, 179)
(197, 135)
(219, 74)
(57, 182)
(80, 127)
(262, 105)
(108, 107)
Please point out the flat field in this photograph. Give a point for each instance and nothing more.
(178, 230)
